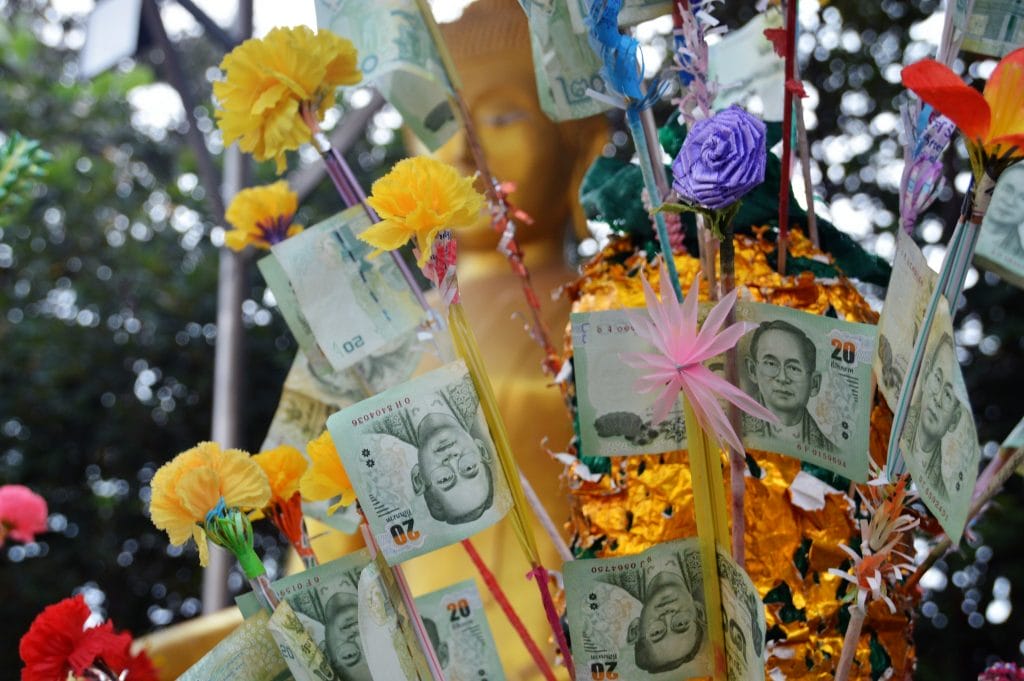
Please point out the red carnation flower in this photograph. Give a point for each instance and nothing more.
(58, 643)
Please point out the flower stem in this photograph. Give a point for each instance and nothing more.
(737, 459)
(261, 586)
(787, 135)
(853, 629)
(351, 194)
(712, 528)
(636, 129)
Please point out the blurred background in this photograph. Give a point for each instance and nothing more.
(108, 279)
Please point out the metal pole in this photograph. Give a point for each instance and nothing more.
(227, 364)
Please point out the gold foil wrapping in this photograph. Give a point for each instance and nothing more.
(647, 499)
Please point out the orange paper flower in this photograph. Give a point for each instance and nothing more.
(326, 477)
(199, 480)
(992, 122)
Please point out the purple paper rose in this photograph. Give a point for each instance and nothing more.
(722, 159)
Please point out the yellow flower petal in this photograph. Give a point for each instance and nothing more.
(261, 216)
(266, 81)
(326, 477)
(189, 486)
(420, 197)
(284, 467)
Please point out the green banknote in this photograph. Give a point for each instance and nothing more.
(993, 27)
(1000, 246)
(458, 630)
(563, 61)
(249, 653)
(310, 396)
(397, 56)
(910, 290)
(745, 65)
(813, 372)
(305, 660)
(939, 441)
(325, 599)
(643, 617)
(350, 306)
(423, 463)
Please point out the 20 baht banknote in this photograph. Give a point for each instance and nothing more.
(458, 630)
(643, 617)
(423, 463)
(813, 372)
(325, 601)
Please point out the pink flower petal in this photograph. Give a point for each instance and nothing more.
(666, 401)
(728, 391)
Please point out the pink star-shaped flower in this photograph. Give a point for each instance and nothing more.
(677, 366)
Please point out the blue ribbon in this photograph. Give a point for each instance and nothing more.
(622, 71)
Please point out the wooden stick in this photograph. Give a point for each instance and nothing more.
(712, 529)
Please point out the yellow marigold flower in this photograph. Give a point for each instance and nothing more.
(284, 466)
(417, 199)
(326, 477)
(262, 216)
(189, 486)
(268, 79)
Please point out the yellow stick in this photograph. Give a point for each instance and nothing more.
(466, 347)
(712, 528)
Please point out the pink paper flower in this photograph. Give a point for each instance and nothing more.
(22, 513)
(677, 366)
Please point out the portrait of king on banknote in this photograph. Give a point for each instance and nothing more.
(814, 373)
(939, 441)
(643, 617)
(1001, 242)
(459, 633)
(423, 463)
(325, 600)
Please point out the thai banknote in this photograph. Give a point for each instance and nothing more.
(939, 442)
(325, 600)
(422, 462)
(910, 289)
(305, 660)
(614, 419)
(458, 630)
(643, 617)
(1000, 246)
(249, 653)
(813, 372)
(310, 396)
(993, 27)
(745, 65)
(350, 306)
(397, 56)
(564, 63)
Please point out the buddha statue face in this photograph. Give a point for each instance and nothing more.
(545, 160)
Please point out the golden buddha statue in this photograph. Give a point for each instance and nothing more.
(546, 161)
